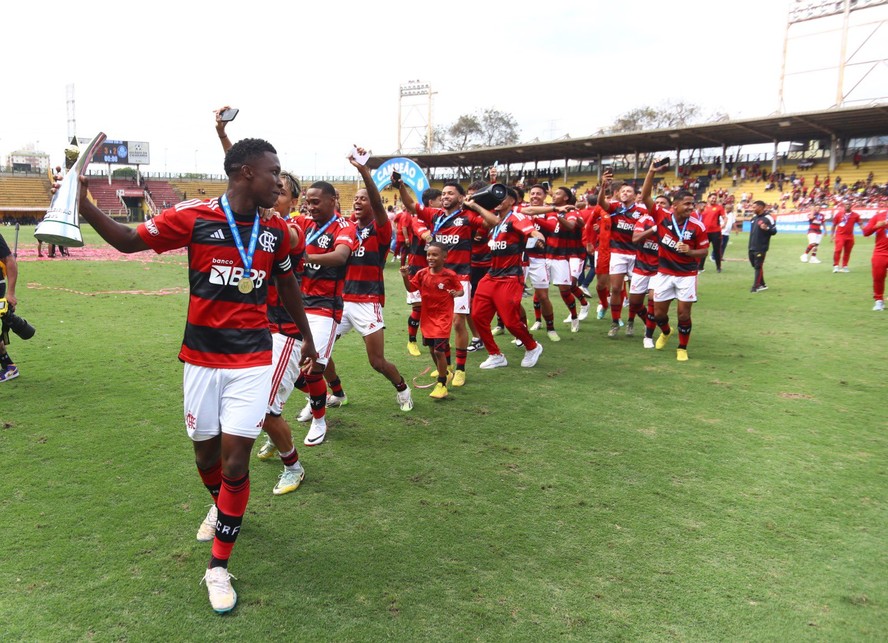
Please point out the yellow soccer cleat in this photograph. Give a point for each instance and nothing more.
(439, 392)
(459, 378)
(682, 355)
(661, 341)
(413, 349)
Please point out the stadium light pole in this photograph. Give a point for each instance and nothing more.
(412, 89)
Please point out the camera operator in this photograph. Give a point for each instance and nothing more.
(8, 277)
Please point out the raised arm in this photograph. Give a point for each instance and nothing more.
(406, 197)
(220, 129)
(379, 214)
(606, 179)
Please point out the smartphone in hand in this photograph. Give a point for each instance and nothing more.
(227, 115)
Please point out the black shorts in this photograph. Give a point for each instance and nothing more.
(438, 344)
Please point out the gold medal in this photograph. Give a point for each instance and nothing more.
(245, 285)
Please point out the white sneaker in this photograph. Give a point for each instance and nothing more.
(845, 269)
(585, 291)
(305, 414)
(584, 312)
(497, 330)
(814, 259)
(223, 598)
(835, 268)
(599, 312)
(804, 257)
(879, 305)
(567, 319)
(648, 342)
(335, 401)
(405, 400)
(517, 342)
(537, 325)
(290, 480)
(207, 530)
(553, 336)
(531, 356)
(496, 360)
(316, 432)
(575, 325)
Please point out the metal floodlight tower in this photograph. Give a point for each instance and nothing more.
(869, 56)
(72, 120)
(415, 117)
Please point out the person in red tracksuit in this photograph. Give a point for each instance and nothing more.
(878, 225)
(500, 290)
(843, 236)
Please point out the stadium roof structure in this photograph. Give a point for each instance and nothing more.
(843, 123)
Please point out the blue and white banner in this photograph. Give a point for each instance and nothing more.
(410, 172)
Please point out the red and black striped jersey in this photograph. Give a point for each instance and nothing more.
(507, 242)
(416, 246)
(322, 285)
(363, 276)
(691, 231)
(816, 221)
(480, 249)
(279, 320)
(225, 328)
(623, 221)
(546, 224)
(455, 231)
(562, 242)
(648, 256)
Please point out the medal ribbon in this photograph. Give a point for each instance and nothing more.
(442, 220)
(247, 257)
(313, 237)
(502, 226)
(681, 232)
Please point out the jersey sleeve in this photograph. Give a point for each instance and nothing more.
(169, 230)
(524, 225)
(347, 236)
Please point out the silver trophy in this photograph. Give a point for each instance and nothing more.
(60, 225)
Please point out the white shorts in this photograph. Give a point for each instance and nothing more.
(813, 237)
(640, 284)
(669, 287)
(225, 400)
(461, 304)
(538, 272)
(576, 266)
(323, 332)
(364, 316)
(559, 272)
(621, 264)
(285, 358)
(414, 297)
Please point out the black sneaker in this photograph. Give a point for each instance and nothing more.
(475, 345)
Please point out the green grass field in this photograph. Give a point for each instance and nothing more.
(611, 493)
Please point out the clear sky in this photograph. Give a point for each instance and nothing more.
(315, 77)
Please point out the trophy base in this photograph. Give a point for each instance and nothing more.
(59, 233)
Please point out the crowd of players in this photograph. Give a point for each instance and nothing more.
(310, 279)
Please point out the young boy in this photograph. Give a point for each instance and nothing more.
(438, 286)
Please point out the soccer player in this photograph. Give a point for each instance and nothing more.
(713, 215)
(454, 227)
(816, 221)
(646, 263)
(844, 221)
(597, 229)
(624, 214)
(500, 290)
(329, 242)
(683, 240)
(416, 236)
(878, 225)
(762, 227)
(364, 291)
(439, 287)
(8, 277)
(480, 262)
(538, 270)
(561, 255)
(227, 346)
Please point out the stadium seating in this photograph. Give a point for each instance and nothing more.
(24, 191)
